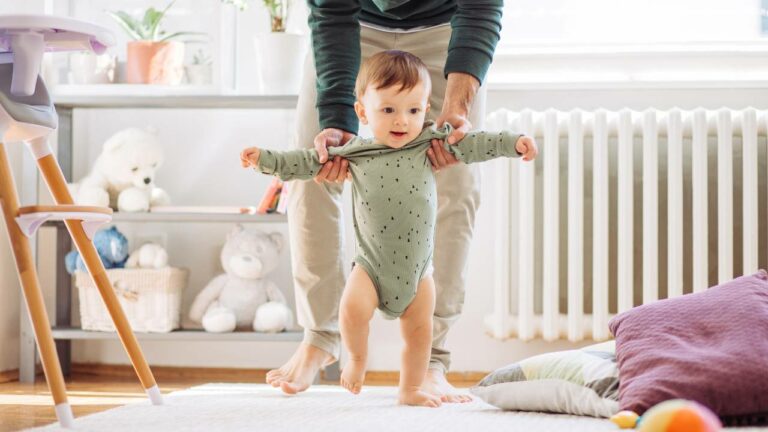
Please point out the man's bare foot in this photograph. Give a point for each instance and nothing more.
(297, 374)
(353, 376)
(419, 398)
(436, 385)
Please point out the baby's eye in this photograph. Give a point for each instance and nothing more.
(415, 110)
(388, 110)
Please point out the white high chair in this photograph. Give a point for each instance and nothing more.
(27, 115)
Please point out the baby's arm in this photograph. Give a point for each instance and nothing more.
(479, 146)
(288, 165)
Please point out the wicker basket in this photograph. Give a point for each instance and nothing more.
(151, 299)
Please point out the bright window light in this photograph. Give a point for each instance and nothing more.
(633, 21)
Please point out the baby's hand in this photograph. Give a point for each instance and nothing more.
(526, 146)
(250, 157)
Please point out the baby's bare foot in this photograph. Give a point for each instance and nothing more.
(353, 376)
(419, 398)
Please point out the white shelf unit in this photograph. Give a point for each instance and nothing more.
(113, 96)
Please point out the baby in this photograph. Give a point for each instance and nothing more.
(394, 210)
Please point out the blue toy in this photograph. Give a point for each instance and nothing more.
(112, 247)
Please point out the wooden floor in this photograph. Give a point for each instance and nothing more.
(94, 388)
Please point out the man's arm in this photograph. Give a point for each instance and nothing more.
(336, 47)
(476, 28)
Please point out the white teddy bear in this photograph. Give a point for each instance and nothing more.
(242, 296)
(149, 255)
(123, 176)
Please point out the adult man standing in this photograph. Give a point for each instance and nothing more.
(456, 40)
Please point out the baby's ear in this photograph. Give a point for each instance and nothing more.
(428, 107)
(360, 111)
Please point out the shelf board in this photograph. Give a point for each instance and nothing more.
(151, 96)
(72, 333)
(193, 217)
(198, 217)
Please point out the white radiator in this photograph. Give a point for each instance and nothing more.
(619, 205)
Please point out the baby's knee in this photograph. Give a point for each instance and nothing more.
(419, 333)
(353, 316)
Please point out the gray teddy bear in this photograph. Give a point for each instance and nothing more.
(242, 297)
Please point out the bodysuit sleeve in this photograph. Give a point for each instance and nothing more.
(300, 164)
(479, 146)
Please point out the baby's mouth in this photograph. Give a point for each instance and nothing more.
(398, 134)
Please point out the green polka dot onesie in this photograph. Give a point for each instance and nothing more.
(394, 201)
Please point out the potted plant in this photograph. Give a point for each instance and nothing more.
(199, 72)
(279, 54)
(153, 57)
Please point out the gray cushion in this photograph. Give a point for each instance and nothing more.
(581, 382)
(36, 109)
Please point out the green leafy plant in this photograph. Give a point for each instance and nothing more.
(240, 4)
(201, 58)
(278, 11)
(148, 28)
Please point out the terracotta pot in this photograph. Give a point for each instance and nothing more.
(155, 62)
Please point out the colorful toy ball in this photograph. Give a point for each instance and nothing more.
(625, 419)
(678, 415)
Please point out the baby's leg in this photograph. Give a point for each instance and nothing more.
(416, 327)
(358, 303)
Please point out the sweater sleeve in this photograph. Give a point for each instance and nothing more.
(336, 46)
(479, 146)
(476, 29)
(301, 164)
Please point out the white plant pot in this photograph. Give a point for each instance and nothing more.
(200, 74)
(280, 58)
(88, 68)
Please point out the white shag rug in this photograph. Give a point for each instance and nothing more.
(250, 407)
(258, 407)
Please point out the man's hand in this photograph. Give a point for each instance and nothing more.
(334, 170)
(526, 146)
(459, 93)
(250, 157)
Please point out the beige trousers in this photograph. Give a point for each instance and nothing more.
(315, 211)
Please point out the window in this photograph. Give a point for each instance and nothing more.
(635, 21)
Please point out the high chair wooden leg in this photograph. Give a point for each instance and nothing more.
(54, 178)
(30, 285)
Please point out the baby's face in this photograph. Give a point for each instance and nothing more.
(395, 117)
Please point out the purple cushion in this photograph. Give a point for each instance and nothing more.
(710, 347)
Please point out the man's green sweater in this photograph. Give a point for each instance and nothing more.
(335, 26)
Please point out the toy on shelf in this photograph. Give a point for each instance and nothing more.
(123, 176)
(149, 256)
(243, 297)
(271, 198)
(112, 247)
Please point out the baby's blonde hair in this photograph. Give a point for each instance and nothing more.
(390, 68)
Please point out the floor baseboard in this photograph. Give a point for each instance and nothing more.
(240, 374)
(9, 376)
